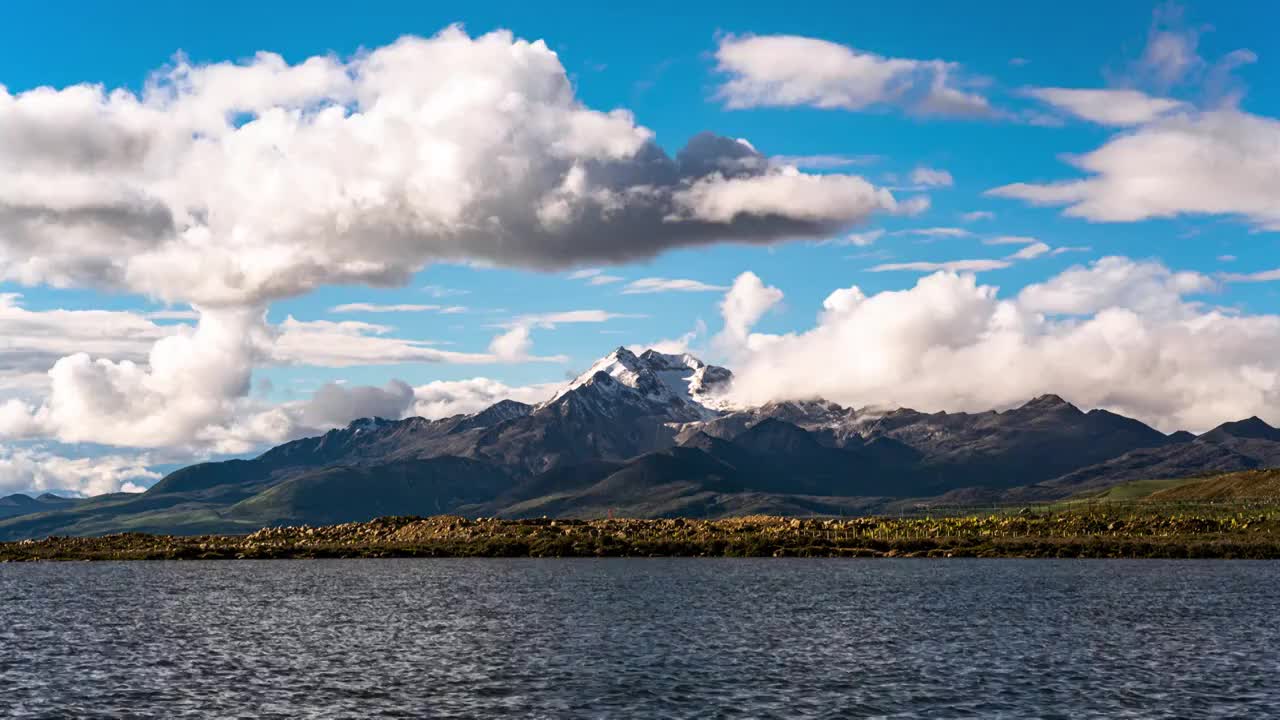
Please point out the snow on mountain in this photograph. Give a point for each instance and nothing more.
(686, 388)
(818, 416)
(369, 424)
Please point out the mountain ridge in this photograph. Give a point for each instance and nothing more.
(650, 434)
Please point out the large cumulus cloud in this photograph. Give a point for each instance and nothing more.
(1122, 334)
(190, 380)
(36, 470)
(237, 183)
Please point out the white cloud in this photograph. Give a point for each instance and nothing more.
(1114, 282)
(743, 306)
(594, 276)
(192, 391)
(1117, 107)
(32, 340)
(660, 285)
(444, 398)
(334, 405)
(912, 206)
(1171, 58)
(804, 198)
(674, 346)
(35, 471)
(439, 291)
(1133, 344)
(1031, 249)
(1221, 162)
(1263, 276)
(235, 184)
(862, 239)
(324, 343)
(936, 232)
(931, 177)
(977, 215)
(515, 344)
(171, 315)
(1028, 252)
(948, 265)
(190, 380)
(552, 319)
(823, 162)
(399, 308)
(1170, 55)
(790, 70)
(337, 404)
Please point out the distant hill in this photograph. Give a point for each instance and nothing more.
(14, 505)
(648, 435)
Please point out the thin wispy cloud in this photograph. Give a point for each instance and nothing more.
(931, 177)
(823, 162)
(361, 307)
(1115, 107)
(858, 239)
(516, 344)
(948, 265)
(440, 291)
(551, 319)
(935, 232)
(1010, 240)
(1031, 249)
(1034, 250)
(662, 285)
(1254, 277)
(594, 276)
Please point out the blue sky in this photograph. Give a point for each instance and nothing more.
(667, 65)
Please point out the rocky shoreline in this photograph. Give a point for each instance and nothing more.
(1093, 534)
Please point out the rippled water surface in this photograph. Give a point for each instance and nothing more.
(641, 638)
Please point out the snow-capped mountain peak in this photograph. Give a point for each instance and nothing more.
(683, 383)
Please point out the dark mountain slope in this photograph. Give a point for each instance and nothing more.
(1038, 441)
(665, 483)
(770, 460)
(1242, 430)
(337, 494)
(1230, 447)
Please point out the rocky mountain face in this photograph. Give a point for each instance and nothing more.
(650, 435)
(1242, 445)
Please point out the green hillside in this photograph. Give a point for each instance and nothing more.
(1246, 485)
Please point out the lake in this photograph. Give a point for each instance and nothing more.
(705, 638)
